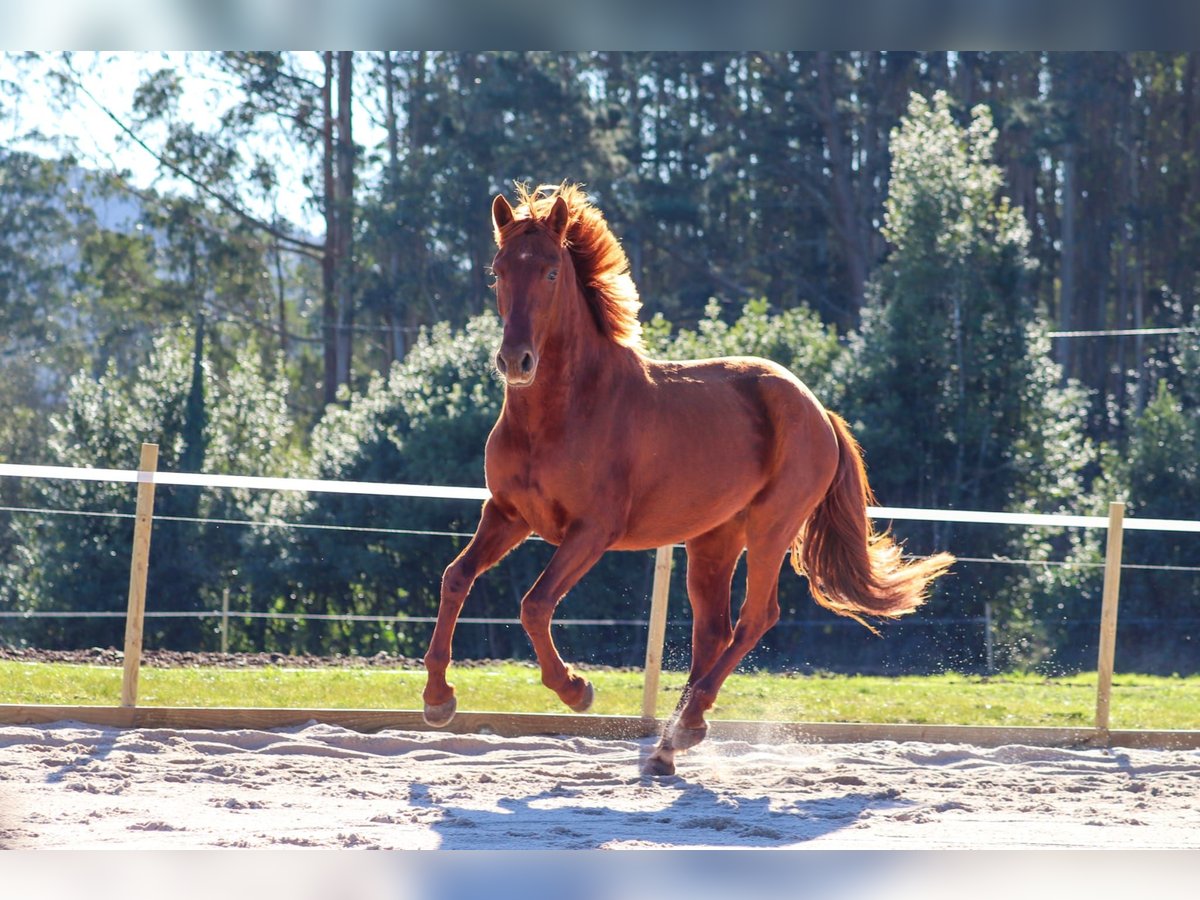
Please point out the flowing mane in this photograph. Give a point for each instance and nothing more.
(600, 262)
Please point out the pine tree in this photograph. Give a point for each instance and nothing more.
(957, 403)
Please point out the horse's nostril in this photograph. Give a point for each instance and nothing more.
(500, 362)
(527, 363)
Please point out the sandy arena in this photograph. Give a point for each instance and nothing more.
(76, 786)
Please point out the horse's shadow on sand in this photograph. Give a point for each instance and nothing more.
(678, 813)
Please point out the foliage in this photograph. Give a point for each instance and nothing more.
(426, 422)
(1160, 476)
(78, 562)
(795, 338)
(957, 403)
(947, 322)
(36, 226)
(730, 174)
(33, 261)
(752, 193)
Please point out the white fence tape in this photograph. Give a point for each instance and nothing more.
(443, 492)
(372, 488)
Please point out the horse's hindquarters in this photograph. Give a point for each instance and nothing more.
(717, 439)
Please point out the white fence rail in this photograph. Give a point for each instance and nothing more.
(146, 477)
(443, 492)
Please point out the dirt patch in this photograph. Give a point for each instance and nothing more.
(175, 659)
(76, 786)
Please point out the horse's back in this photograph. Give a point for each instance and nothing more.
(741, 393)
(710, 436)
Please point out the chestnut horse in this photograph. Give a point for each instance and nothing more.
(600, 448)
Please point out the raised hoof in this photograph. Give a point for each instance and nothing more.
(437, 716)
(683, 738)
(657, 766)
(589, 697)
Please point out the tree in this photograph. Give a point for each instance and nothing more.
(34, 272)
(35, 226)
(222, 169)
(957, 404)
(467, 125)
(731, 176)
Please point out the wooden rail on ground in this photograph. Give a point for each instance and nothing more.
(594, 726)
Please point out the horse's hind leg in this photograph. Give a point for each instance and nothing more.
(758, 614)
(711, 560)
(771, 527)
(496, 535)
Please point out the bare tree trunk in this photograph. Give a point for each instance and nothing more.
(281, 300)
(345, 217)
(418, 135)
(1023, 161)
(1126, 239)
(846, 224)
(1066, 298)
(966, 77)
(329, 257)
(1141, 376)
(870, 196)
(395, 316)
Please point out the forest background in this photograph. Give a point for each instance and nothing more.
(988, 262)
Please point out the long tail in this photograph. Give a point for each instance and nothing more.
(851, 569)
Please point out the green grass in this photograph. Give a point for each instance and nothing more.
(1139, 701)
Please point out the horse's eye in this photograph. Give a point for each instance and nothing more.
(552, 275)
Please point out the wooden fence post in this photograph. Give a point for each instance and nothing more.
(139, 566)
(225, 619)
(658, 629)
(1108, 615)
(989, 644)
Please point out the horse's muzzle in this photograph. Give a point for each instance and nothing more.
(517, 365)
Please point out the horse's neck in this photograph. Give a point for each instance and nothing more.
(572, 376)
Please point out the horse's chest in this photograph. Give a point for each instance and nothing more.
(546, 493)
(543, 506)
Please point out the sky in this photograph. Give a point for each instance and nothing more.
(97, 141)
(616, 24)
(85, 125)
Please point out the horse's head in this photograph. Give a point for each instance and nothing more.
(532, 268)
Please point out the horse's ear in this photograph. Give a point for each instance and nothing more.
(557, 220)
(502, 214)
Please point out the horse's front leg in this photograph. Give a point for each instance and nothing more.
(498, 532)
(577, 553)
